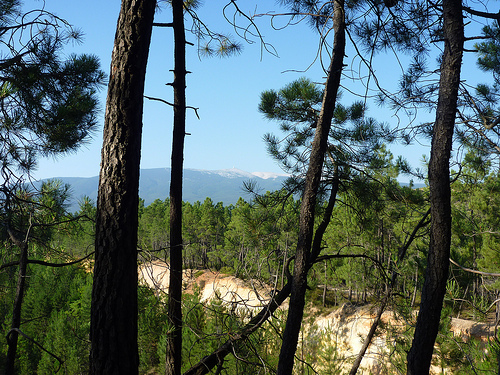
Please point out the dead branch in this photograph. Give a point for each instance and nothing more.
(474, 271)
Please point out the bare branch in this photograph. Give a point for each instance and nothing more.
(48, 264)
(159, 100)
(163, 24)
(493, 16)
(172, 104)
(474, 271)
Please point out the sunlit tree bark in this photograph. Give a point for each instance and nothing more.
(436, 275)
(174, 339)
(113, 330)
(313, 177)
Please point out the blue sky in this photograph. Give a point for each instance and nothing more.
(226, 91)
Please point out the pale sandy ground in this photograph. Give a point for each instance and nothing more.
(345, 327)
(231, 290)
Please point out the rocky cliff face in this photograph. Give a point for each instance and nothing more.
(329, 341)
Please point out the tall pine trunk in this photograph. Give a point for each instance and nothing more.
(436, 275)
(13, 335)
(174, 339)
(113, 330)
(313, 177)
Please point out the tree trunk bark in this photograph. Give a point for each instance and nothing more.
(113, 330)
(174, 339)
(436, 275)
(13, 335)
(313, 177)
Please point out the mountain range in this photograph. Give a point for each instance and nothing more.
(224, 185)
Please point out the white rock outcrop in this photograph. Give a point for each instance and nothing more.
(330, 341)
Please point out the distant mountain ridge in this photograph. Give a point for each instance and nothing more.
(224, 185)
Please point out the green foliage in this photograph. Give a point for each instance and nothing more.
(210, 43)
(76, 236)
(475, 226)
(299, 101)
(52, 103)
(49, 107)
(56, 315)
(154, 226)
(207, 325)
(40, 218)
(489, 51)
(152, 318)
(355, 141)
(49, 104)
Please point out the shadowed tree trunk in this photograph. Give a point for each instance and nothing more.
(13, 335)
(313, 177)
(113, 331)
(174, 339)
(436, 274)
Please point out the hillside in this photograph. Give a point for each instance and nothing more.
(224, 186)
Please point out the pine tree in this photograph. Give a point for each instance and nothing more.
(49, 107)
(113, 330)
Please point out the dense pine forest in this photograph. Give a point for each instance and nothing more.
(254, 240)
(341, 238)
